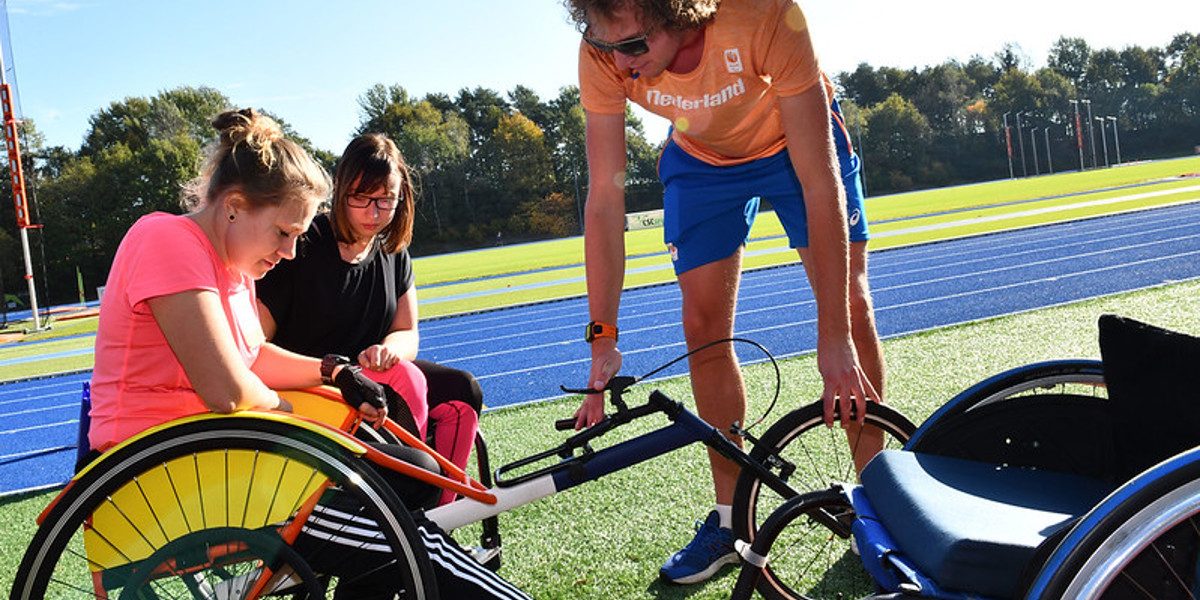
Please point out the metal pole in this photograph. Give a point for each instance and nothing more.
(1033, 145)
(862, 161)
(1103, 140)
(1091, 131)
(1078, 133)
(1116, 139)
(1049, 161)
(19, 197)
(1021, 143)
(1008, 144)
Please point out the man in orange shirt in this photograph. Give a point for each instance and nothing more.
(753, 118)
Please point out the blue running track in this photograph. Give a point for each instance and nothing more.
(522, 354)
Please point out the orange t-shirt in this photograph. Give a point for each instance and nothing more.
(138, 382)
(725, 111)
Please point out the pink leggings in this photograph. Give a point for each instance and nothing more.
(455, 423)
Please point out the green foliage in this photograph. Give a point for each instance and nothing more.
(489, 163)
(898, 137)
(494, 168)
(1151, 92)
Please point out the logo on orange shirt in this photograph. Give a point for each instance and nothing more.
(729, 92)
(733, 60)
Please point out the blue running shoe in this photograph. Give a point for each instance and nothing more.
(711, 549)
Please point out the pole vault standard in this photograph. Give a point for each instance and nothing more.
(18, 186)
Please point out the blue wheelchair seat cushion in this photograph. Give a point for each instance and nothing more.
(973, 526)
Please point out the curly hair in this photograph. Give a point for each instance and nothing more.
(654, 14)
(252, 154)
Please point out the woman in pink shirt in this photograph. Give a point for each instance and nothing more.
(179, 331)
(180, 335)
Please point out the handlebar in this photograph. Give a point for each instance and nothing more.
(616, 388)
(566, 451)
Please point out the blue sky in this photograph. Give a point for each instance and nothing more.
(309, 61)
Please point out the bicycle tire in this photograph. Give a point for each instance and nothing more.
(820, 457)
(831, 501)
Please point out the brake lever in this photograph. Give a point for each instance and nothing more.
(617, 386)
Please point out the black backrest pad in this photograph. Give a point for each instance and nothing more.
(1153, 378)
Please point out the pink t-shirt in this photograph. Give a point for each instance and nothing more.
(725, 111)
(138, 382)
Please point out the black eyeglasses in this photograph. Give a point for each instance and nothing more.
(635, 46)
(363, 201)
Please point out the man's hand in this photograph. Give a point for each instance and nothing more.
(606, 363)
(846, 385)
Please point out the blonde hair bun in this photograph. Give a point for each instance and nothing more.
(252, 128)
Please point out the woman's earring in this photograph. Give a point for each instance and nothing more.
(231, 217)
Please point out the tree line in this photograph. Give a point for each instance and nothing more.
(946, 124)
(494, 167)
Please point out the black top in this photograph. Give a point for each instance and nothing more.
(322, 304)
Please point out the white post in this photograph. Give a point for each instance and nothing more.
(33, 303)
(1049, 161)
(1008, 144)
(1116, 139)
(1103, 140)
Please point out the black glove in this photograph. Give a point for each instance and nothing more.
(357, 388)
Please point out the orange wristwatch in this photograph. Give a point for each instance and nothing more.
(596, 329)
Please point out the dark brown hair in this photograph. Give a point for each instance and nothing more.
(654, 14)
(367, 164)
(252, 155)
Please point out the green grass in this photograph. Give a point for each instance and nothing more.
(54, 342)
(607, 539)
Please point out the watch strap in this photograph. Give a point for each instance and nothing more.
(328, 364)
(597, 329)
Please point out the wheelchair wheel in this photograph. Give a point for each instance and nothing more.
(224, 562)
(1016, 418)
(1076, 378)
(166, 498)
(807, 541)
(810, 457)
(1143, 541)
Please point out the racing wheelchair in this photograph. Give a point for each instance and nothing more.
(1065, 479)
(260, 504)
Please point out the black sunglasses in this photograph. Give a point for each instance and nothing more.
(631, 47)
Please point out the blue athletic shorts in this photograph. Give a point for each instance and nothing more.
(708, 210)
